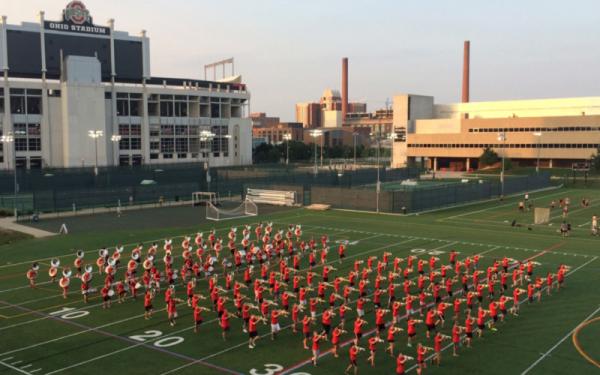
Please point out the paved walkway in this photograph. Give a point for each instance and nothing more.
(8, 223)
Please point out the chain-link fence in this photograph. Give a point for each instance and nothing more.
(425, 198)
(56, 190)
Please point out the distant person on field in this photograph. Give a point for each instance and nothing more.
(594, 225)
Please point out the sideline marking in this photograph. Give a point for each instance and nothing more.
(578, 346)
(568, 334)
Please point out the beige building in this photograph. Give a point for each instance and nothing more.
(557, 132)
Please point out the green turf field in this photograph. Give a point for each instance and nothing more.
(42, 333)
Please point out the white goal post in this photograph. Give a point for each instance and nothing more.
(541, 215)
(276, 197)
(246, 208)
(199, 197)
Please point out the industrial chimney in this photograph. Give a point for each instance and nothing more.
(344, 88)
(466, 68)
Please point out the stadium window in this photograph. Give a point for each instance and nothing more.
(35, 144)
(122, 107)
(17, 104)
(166, 130)
(34, 106)
(20, 129)
(136, 129)
(181, 130)
(167, 156)
(123, 129)
(21, 144)
(181, 145)
(215, 110)
(154, 145)
(33, 130)
(135, 106)
(166, 108)
(135, 143)
(166, 145)
(124, 144)
(153, 156)
(182, 156)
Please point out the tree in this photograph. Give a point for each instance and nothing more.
(488, 157)
(595, 159)
(266, 153)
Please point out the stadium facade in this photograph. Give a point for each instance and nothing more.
(66, 80)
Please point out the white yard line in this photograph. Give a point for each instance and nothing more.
(14, 368)
(464, 242)
(570, 332)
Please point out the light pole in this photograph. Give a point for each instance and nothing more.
(287, 137)
(207, 136)
(8, 139)
(315, 134)
(538, 135)
(502, 138)
(95, 134)
(115, 138)
(354, 134)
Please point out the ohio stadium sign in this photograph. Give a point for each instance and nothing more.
(76, 18)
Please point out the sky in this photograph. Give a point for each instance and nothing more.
(289, 51)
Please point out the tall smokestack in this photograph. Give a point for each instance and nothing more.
(466, 68)
(344, 88)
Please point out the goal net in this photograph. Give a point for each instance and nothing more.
(247, 208)
(541, 215)
(203, 197)
(276, 197)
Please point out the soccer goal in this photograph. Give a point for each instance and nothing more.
(203, 197)
(276, 197)
(247, 208)
(541, 215)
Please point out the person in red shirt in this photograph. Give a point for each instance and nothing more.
(437, 346)
(252, 330)
(481, 313)
(105, 292)
(358, 324)
(121, 291)
(198, 316)
(549, 282)
(275, 327)
(456, 330)
(342, 252)
(353, 353)
(326, 320)
(148, 297)
(335, 340)
(380, 321)
(373, 341)
(392, 330)
(317, 337)
(411, 329)
(421, 351)
(430, 321)
(469, 321)
(400, 363)
(306, 322)
(493, 309)
(224, 323)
